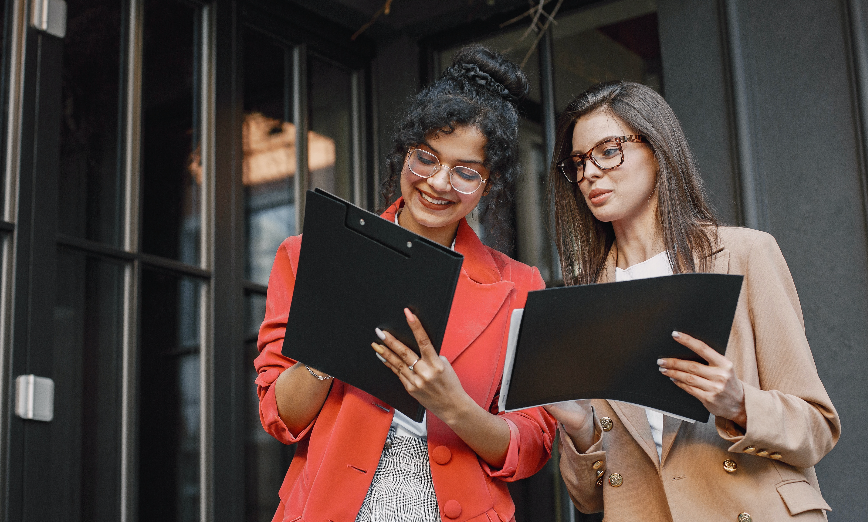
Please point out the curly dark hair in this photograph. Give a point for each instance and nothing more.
(686, 219)
(480, 89)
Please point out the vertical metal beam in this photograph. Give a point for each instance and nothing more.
(132, 272)
(206, 116)
(16, 39)
(751, 191)
(549, 119)
(300, 116)
(857, 21)
(357, 122)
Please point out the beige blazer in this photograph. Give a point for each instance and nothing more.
(714, 471)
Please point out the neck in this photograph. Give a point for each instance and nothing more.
(442, 235)
(637, 242)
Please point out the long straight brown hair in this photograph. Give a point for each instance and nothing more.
(687, 222)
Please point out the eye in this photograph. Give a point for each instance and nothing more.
(425, 158)
(607, 150)
(466, 174)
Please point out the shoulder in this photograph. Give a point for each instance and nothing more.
(743, 241)
(515, 271)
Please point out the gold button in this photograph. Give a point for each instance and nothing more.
(762, 453)
(615, 480)
(598, 464)
(775, 455)
(606, 423)
(744, 517)
(729, 466)
(749, 449)
(600, 474)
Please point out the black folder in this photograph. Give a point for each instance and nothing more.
(356, 272)
(602, 341)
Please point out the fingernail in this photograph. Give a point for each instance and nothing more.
(380, 334)
(662, 369)
(377, 348)
(671, 379)
(676, 334)
(380, 357)
(409, 314)
(659, 362)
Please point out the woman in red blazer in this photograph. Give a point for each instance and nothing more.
(357, 459)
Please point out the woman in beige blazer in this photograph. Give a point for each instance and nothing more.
(629, 203)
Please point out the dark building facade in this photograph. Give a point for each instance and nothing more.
(156, 152)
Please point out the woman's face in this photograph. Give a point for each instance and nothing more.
(432, 208)
(624, 195)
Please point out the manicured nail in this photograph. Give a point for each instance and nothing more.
(676, 334)
(380, 334)
(380, 357)
(659, 362)
(377, 348)
(410, 317)
(662, 369)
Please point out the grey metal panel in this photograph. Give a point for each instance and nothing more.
(695, 85)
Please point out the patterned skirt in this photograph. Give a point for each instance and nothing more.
(402, 488)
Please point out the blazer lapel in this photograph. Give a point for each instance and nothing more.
(636, 421)
(480, 294)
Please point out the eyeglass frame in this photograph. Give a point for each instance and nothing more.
(619, 140)
(482, 180)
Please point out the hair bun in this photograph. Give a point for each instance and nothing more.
(478, 65)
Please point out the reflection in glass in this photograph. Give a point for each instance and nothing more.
(171, 173)
(169, 377)
(90, 181)
(87, 347)
(329, 159)
(270, 161)
(266, 459)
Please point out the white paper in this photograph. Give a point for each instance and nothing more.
(512, 340)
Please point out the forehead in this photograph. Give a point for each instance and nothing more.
(465, 142)
(596, 126)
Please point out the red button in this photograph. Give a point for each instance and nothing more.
(452, 509)
(441, 455)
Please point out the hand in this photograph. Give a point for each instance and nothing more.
(432, 380)
(577, 418)
(716, 385)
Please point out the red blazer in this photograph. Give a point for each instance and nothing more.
(338, 452)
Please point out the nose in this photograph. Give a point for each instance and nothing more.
(591, 171)
(439, 181)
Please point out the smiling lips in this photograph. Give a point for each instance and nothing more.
(599, 196)
(433, 202)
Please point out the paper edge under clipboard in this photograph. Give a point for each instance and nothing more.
(509, 360)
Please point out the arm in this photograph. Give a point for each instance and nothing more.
(289, 396)
(785, 410)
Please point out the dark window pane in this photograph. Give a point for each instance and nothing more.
(269, 151)
(88, 344)
(90, 180)
(622, 49)
(169, 384)
(171, 168)
(329, 140)
(267, 459)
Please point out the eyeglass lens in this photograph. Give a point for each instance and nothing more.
(606, 155)
(463, 179)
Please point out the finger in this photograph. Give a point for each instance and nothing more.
(401, 350)
(690, 379)
(667, 366)
(699, 348)
(389, 357)
(425, 347)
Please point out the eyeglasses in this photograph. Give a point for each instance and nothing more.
(463, 179)
(606, 155)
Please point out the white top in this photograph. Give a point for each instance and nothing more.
(656, 266)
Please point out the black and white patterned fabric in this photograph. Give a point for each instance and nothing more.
(402, 488)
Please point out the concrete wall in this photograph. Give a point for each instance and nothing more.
(772, 98)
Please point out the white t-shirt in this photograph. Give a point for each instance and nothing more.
(656, 266)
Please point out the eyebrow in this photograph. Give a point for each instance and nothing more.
(435, 151)
(594, 145)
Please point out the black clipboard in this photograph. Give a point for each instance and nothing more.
(356, 272)
(602, 341)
